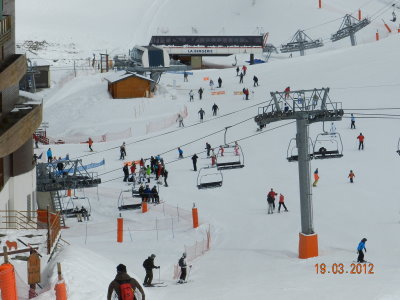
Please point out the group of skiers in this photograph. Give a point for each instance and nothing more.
(191, 94)
(271, 201)
(351, 176)
(156, 167)
(149, 195)
(125, 286)
(81, 213)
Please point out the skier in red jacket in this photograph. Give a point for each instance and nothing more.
(271, 200)
(360, 138)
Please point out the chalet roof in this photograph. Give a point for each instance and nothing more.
(121, 75)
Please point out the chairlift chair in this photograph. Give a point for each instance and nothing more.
(230, 158)
(124, 205)
(209, 177)
(69, 209)
(292, 154)
(328, 145)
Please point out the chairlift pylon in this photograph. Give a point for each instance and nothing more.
(328, 145)
(209, 177)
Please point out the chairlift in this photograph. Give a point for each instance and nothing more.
(328, 145)
(209, 177)
(292, 154)
(231, 156)
(69, 209)
(398, 147)
(123, 203)
(394, 17)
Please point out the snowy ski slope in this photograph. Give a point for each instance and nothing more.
(253, 255)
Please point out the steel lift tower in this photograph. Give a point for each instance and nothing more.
(349, 27)
(306, 107)
(301, 42)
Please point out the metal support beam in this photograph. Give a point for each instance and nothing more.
(353, 38)
(304, 176)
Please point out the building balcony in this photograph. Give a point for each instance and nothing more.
(5, 29)
(18, 126)
(12, 69)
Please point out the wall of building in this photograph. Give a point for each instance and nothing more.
(131, 87)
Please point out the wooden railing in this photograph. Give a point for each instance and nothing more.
(16, 219)
(53, 230)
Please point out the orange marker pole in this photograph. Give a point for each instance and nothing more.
(319, 3)
(359, 14)
(7, 282)
(60, 288)
(144, 207)
(308, 245)
(388, 28)
(398, 29)
(120, 229)
(69, 192)
(377, 35)
(195, 216)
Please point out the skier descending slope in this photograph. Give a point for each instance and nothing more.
(360, 248)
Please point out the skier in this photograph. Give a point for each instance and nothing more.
(219, 82)
(316, 178)
(213, 158)
(191, 96)
(124, 286)
(155, 198)
(353, 122)
(183, 265)
(211, 84)
(333, 129)
(221, 150)
(84, 214)
(165, 177)
(236, 148)
(126, 172)
(180, 151)
(180, 119)
(194, 159)
(255, 80)
(185, 76)
(36, 139)
(200, 91)
(214, 109)
(201, 113)
(148, 264)
(90, 143)
(246, 93)
(237, 71)
(272, 195)
(122, 151)
(244, 69)
(360, 248)
(241, 77)
(351, 176)
(360, 138)
(208, 148)
(287, 92)
(281, 203)
(49, 155)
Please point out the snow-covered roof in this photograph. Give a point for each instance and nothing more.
(120, 75)
(39, 62)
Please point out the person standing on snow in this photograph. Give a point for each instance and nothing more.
(353, 122)
(211, 84)
(351, 176)
(183, 265)
(271, 199)
(148, 265)
(49, 156)
(185, 76)
(194, 159)
(219, 82)
(244, 69)
(201, 113)
(237, 71)
(126, 172)
(360, 248)
(180, 152)
(123, 285)
(165, 173)
(180, 120)
(122, 151)
(191, 96)
(241, 77)
(214, 109)
(208, 148)
(281, 203)
(255, 80)
(360, 138)
(316, 178)
(200, 91)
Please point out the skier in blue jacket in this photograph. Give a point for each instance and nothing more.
(360, 248)
(49, 155)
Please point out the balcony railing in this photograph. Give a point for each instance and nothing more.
(18, 126)
(12, 69)
(5, 29)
